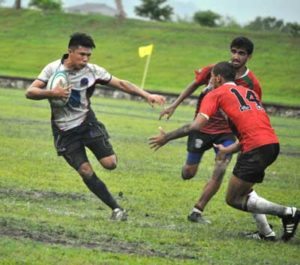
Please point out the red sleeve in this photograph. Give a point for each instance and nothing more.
(202, 75)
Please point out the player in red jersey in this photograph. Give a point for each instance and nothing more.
(217, 131)
(256, 139)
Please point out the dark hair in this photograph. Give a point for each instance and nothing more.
(224, 69)
(81, 39)
(243, 43)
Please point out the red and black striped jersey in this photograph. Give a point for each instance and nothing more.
(250, 81)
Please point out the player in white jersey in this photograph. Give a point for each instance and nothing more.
(74, 125)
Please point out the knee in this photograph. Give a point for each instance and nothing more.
(222, 164)
(229, 200)
(109, 163)
(233, 200)
(220, 167)
(187, 173)
(110, 166)
(85, 170)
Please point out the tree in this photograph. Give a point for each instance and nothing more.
(47, 5)
(17, 4)
(153, 10)
(228, 22)
(293, 29)
(121, 12)
(206, 18)
(272, 24)
(266, 24)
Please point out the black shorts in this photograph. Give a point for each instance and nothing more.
(71, 144)
(199, 142)
(251, 166)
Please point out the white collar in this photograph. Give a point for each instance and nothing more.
(246, 73)
(229, 83)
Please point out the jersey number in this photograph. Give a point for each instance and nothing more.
(250, 96)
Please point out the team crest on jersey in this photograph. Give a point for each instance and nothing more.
(84, 81)
(198, 143)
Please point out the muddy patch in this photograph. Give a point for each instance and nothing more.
(37, 195)
(107, 244)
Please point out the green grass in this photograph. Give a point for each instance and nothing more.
(31, 39)
(47, 215)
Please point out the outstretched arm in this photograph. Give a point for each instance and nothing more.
(131, 88)
(160, 140)
(202, 78)
(189, 90)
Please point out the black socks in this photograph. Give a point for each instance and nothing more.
(99, 188)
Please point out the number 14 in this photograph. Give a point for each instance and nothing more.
(250, 96)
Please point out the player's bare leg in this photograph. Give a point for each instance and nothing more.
(213, 185)
(240, 196)
(210, 189)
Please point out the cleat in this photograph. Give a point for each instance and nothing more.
(290, 223)
(119, 215)
(195, 217)
(258, 236)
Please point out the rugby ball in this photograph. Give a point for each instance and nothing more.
(58, 78)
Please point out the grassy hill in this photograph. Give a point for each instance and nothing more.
(31, 39)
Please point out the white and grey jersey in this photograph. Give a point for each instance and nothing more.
(82, 81)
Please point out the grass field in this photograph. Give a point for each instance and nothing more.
(47, 215)
(31, 39)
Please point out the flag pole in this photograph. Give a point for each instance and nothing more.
(145, 71)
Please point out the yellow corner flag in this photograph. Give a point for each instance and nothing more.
(145, 50)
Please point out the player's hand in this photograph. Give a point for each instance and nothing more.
(158, 141)
(156, 99)
(168, 112)
(222, 151)
(61, 92)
